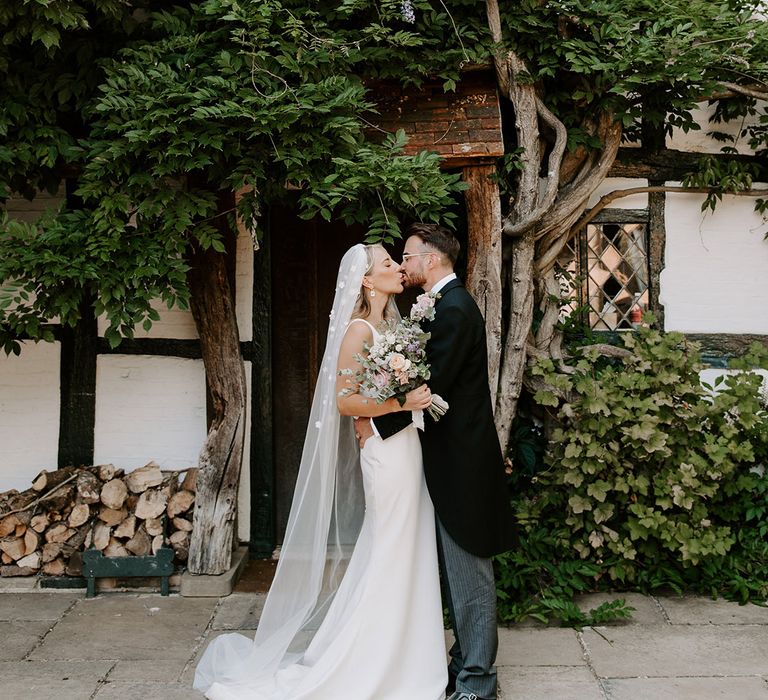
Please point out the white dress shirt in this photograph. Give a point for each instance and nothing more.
(441, 283)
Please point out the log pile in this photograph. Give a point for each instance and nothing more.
(45, 529)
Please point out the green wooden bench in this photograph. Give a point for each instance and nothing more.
(96, 565)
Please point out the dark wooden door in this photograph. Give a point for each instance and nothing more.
(305, 259)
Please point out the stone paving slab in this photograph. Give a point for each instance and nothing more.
(35, 606)
(239, 611)
(647, 612)
(146, 691)
(20, 637)
(686, 689)
(548, 683)
(159, 670)
(146, 647)
(129, 627)
(701, 611)
(51, 680)
(539, 647)
(700, 650)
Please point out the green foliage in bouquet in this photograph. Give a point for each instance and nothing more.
(650, 480)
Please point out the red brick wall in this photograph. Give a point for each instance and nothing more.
(461, 126)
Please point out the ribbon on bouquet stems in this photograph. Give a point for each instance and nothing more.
(437, 409)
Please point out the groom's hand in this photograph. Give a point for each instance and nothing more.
(363, 430)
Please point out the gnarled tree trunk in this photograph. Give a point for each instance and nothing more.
(213, 308)
(522, 94)
(542, 218)
(521, 291)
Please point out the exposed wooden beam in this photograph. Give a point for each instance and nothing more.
(263, 513)
(671, 165)
(77, 370)
(484, 257)
(164, 347)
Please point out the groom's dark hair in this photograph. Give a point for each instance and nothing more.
(437, 237)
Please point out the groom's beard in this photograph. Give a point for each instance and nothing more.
(414, 280)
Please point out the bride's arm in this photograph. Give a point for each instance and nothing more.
(354, 404)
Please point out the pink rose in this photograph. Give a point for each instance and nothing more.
(397, 361)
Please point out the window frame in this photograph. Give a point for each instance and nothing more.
(652, 217)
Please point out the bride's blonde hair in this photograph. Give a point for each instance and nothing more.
(363, 303)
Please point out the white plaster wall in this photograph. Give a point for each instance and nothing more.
(244, 492)
(634, 201)
(699, 142)
(29, 413)
(149, 408)
(29, 211)
(708, 376)
(715, 278)
(174, 323)
(153, 408)
(244, 314)
(244, 286)
(178, 323)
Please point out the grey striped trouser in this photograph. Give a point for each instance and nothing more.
(470, 592)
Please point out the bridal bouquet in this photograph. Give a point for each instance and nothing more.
(397, 363)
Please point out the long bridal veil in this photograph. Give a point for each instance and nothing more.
(323, 525)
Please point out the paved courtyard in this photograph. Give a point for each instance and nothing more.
(131, 646)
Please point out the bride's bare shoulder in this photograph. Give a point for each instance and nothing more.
(358, 331)
(356, 337)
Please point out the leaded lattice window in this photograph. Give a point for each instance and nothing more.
(607, 274)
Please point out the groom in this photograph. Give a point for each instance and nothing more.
(463, 464)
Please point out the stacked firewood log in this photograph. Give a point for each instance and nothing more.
(45, 528)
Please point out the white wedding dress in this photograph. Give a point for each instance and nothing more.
(382, 637)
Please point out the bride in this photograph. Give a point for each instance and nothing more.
(354, 612)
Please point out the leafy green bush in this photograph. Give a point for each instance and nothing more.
(650, 479)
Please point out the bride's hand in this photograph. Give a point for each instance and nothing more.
(418, 399)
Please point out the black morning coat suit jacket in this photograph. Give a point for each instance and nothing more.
(463, 464)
